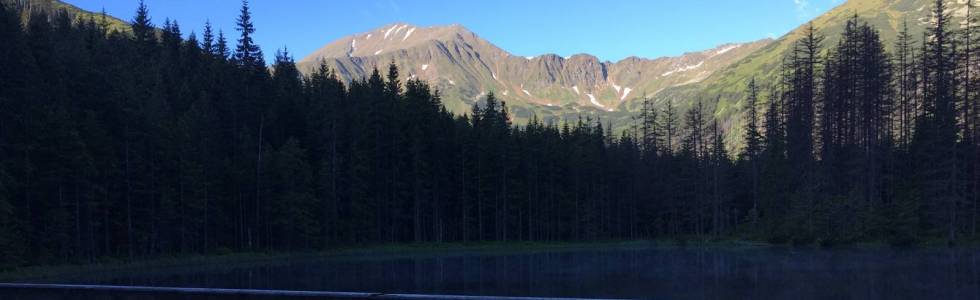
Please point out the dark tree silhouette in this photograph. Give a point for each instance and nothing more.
(145, 143)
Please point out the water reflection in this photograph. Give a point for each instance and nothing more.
(673, 273)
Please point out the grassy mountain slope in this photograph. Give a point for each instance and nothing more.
(52, 6)
(728, 85)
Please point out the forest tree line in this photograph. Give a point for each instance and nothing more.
(146, 143)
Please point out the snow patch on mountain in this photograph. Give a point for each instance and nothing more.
(400, 28)
(506, 92)
(575, 88)
(594, 102)
(378, 52)
(494, 75)
(626, 92)
(726, 49)
(452, 82)
(616, 87)
(425, 67)
(369, 36)
(409, 33)
(529, 57)
(389, 31)
(683, 69)
(525, 90)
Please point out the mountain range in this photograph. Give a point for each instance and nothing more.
(465, 67)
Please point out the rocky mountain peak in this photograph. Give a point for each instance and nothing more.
(465, 67)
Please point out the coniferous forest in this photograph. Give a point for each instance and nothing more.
(146, 143)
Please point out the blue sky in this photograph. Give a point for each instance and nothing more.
(609, 29)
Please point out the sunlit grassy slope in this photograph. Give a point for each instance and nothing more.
(727, 86)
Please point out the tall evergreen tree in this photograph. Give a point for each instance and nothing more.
(936, 134)
(143, 30)
(753, 145)
(247, 52)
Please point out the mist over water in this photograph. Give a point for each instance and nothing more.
(658, 273)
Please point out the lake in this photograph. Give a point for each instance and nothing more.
(613, 272)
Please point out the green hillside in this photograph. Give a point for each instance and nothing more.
(729, 84)
(78, 14)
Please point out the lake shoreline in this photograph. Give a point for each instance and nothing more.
(28, 273)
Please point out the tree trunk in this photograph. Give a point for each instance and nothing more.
(258, 182)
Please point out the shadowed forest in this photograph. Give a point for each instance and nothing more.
(144, 143)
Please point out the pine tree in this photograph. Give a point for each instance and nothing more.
(935, 141)
(753, 144)
(906, 85)
(143, 31)
(753, 137)
(221, 47)
(774, 169)
(247, 52)
(719, 168)
(670, 127)
(804, 63)
(208, 43)
(971, 115)
(287, 111)
(651, 135)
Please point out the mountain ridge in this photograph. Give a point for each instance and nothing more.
(463, 65)
(729, 84)
(463, 28)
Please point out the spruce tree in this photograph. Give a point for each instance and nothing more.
(143, 31)
(208, 43)
(753, 145)
(247, 53)
(935, 142)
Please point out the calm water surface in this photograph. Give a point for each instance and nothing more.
(639, 273)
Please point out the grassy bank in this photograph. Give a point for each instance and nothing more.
(349, 252)
(388, 251)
